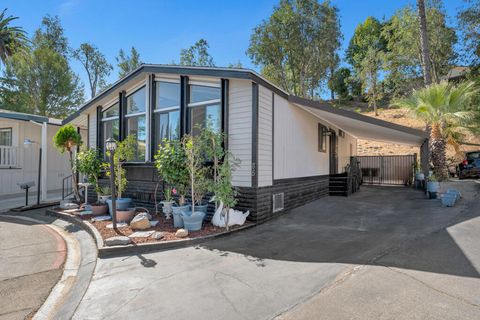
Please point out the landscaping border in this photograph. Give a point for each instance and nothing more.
(120, 250)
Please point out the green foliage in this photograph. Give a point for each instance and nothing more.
(105, 190)
(12, 39)
(287, 44)
(404, 58)
(223, 189)
(66, 138)
(41, 81)
(125, 152)
(95, 64)
(127, 63)
(171, 164)
(90, 163)
(367, 35)
(338, 83)
(196, 171)
(197, 55)
(469, 23)
(369, 70)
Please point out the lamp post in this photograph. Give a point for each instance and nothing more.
(111, 146)
(27, 143)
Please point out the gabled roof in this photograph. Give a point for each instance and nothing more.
(234, 73)
(7, 114)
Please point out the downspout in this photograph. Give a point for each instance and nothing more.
(43, 186)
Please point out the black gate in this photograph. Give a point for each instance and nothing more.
(388, 170)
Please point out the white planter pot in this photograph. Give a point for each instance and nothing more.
(103, 199)
(167, 209)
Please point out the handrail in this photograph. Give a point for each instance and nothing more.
(67, 186)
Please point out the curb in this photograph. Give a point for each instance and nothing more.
(121, 250)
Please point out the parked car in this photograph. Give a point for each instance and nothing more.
(470, 166)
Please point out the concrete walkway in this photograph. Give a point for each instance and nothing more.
(383, 253)
(31, 258)
(10, 201)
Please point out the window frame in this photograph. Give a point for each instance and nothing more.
(322, 138)
(127, 116)
(8, 129)
(205, 103)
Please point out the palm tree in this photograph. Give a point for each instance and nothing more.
(448, 111)
(12, 39)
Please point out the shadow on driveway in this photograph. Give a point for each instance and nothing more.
(364, 229)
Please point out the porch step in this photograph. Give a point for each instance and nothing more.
(338, 185)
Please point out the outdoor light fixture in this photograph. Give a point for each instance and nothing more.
(111, 146)
(27, 143)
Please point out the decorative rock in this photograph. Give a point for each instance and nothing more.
(140, 221)
(158, 235)
(141, 234)
(181, 233)
(66, 205)
(119, 225)
(117, 241)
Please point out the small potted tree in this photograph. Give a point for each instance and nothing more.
(224, 192)
(171, 164)
(66, 139)
(193, 219)
(125, 152)
(167, 202)
(89, 163)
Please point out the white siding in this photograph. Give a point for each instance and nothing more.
(296, 142)
(92, 129)
(264, 137)
(240, 130)
(57, 164)
(344, 150)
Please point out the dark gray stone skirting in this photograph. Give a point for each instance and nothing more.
(132, 249)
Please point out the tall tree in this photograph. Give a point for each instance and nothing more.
(469, 22)
(289, 45)
(197, 55)
(127, 63)
(42, 81)
(367, 35)
(404, 59)
(369, 74)
(338, 83)
(446, 108)
(12, 39)
(95, 64)
(52, 35)
(427, 74)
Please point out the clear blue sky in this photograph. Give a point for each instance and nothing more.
(159, 29)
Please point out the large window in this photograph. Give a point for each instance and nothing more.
(6, 137)
(204, 108)
(135, 122)
(167, 111)
(110, 123)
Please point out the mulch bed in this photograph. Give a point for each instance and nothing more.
(165, 226)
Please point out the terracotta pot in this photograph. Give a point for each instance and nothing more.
(125, 215)
(99, 209)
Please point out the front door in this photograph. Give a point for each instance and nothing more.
(333, 152)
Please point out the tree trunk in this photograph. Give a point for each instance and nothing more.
(438, 153)
(74, 177)
(427, 74)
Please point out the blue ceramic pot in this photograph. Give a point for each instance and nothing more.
(177, 215)
(121, 204)
(193, 221)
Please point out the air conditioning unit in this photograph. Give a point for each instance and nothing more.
(278, 201)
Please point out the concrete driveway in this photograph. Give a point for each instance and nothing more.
(385, 253)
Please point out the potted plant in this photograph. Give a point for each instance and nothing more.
(171, 164)
(89, 163)
(432, 186)
(125, 152)
(104, 193)
(193, 219)
(66, 139)
(168, 202)
(223, 189)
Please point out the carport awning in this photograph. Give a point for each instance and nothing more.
(361, 126)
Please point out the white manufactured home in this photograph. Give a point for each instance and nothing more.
(20, 162)
(288, 146)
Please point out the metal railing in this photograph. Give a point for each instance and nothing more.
(387, 170)
(8, 156)
(67, 186)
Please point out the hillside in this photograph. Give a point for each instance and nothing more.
(402, 117)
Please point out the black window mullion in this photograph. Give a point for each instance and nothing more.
(122, 124)
(153, 101)
(184, 99)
